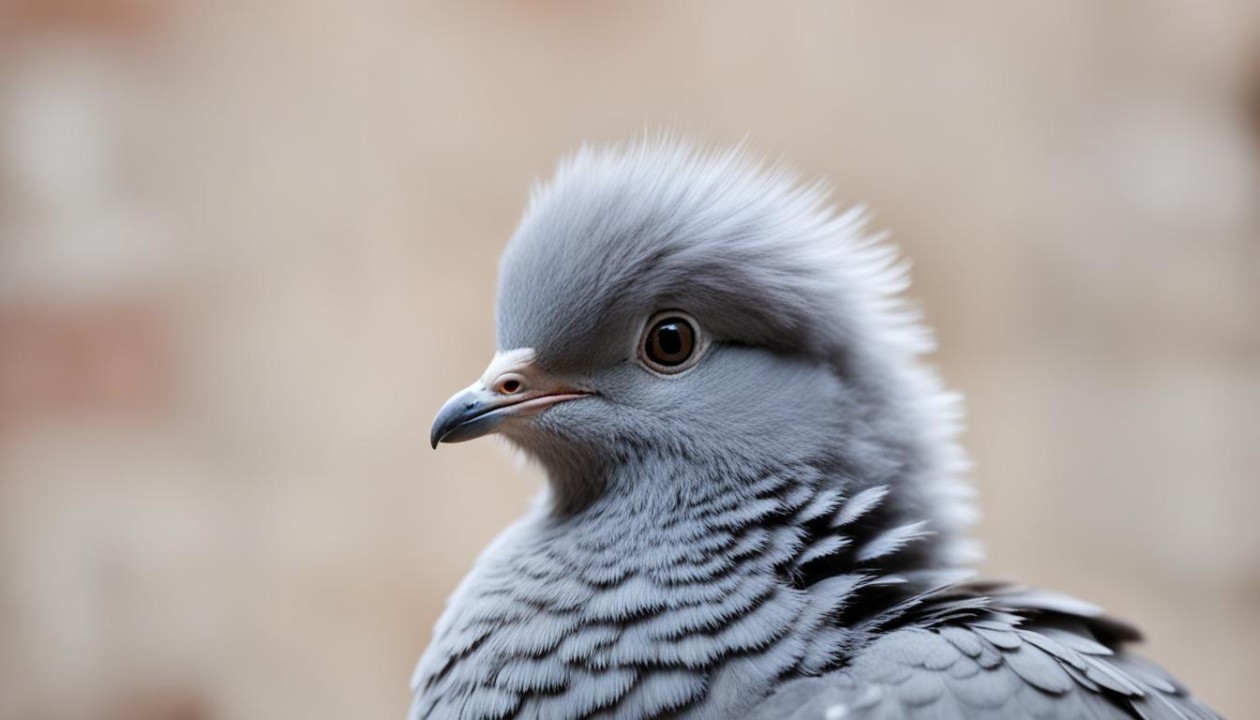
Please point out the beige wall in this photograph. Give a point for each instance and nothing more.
(246, 250)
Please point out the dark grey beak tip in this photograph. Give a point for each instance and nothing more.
(466, 416)
(448, 419)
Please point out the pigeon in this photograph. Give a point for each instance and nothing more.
(754, 504)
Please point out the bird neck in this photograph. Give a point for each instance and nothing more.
(662, 512)
(644, 485)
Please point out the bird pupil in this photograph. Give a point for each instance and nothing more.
(669, 339)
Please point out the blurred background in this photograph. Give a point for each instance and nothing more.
(248, 247)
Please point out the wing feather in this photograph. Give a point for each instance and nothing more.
(1032, 655)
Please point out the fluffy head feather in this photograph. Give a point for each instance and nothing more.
(764, 263)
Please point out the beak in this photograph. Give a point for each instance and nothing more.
(511, 387)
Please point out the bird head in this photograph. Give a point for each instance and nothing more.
(661, 308)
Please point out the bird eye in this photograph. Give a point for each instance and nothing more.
(670, 343)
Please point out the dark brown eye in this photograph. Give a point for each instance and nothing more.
(670, 342)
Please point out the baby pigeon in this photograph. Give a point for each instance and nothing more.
(752, 507)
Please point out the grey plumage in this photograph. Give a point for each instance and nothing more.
(776, 530)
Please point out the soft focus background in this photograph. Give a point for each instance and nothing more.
(247, 248)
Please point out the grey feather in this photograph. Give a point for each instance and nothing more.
(891, 541)
(774, 532)
(866, 500)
